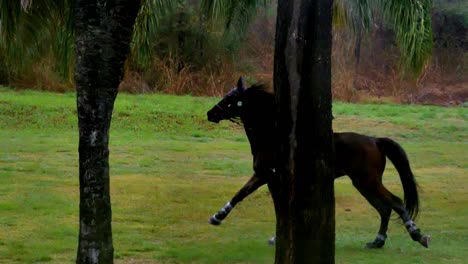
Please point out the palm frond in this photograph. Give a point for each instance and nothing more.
(411, 20)
(145, 28)
(214, 9)
(30, 29)
(26, 4)
(234, 15)
(9, 16)
(353, 14)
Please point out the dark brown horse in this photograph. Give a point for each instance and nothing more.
(360, 157)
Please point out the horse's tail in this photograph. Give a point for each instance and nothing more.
(398, 156)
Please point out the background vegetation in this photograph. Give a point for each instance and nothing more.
(182, 51)
(171, 169)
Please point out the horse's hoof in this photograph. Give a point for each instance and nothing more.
(214, 221)
(425, 241)
(272, 241)
(375, 244)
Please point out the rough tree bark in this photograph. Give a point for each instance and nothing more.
(103, 30)
(303, 193)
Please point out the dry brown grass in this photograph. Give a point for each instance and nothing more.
(42, 76)
(166, 76)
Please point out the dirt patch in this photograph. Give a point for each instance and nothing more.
(446, 95)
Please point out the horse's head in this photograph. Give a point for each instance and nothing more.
(229, 108)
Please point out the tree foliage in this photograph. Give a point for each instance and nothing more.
(31, 31)
(410, 19)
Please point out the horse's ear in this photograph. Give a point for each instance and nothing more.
(241, 84)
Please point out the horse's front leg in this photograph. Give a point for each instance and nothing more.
(253, 184)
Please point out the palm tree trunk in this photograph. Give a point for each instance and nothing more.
(102, 36)
(303, 193)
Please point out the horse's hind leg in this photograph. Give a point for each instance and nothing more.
(253, 184)
(413, 230)
(388, 198)
(383, 209)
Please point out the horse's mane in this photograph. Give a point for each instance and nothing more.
(261, 87)
(261, 96)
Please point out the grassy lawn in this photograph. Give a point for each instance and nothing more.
(171, 169)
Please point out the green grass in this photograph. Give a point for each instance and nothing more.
(171, 169)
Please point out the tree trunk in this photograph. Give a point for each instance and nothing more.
(357, 53)
(303, 194)
(103, 30)
(357, 46)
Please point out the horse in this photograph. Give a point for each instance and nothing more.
(362, 158)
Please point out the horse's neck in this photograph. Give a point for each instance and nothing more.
(252, 137)
(261, 132)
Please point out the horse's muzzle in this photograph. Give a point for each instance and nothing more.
(213, 117)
